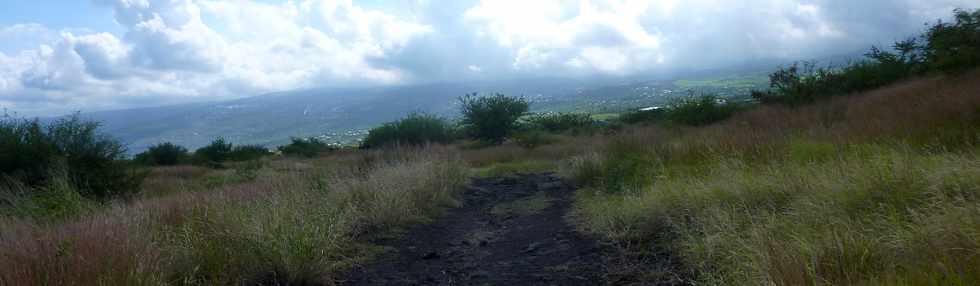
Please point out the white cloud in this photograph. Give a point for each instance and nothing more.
(188, 50)
(184, 50)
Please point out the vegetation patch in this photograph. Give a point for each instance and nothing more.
(522, 207)
(415, 130)
(506, 168)
(492, 118)
(691, 111)
(68, 150)
(294, 226)
(306, 147)
(799, 195)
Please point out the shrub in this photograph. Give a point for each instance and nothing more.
(795, 84)
(692, 110)
(308, 147)
(700, 110)
(415, 129)
(247, 152)
(954, 46)
(163, 154)
(218, 151)
(26, 150)
(492, 118)
(641, 116)
(944, 47)
(562, 122)
(91, 161)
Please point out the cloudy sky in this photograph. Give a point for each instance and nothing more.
(60, 56)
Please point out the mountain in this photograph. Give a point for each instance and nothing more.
(345, 114)
(332, 113)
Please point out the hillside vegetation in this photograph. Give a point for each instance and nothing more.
(863, 174)
(875, 189)
(827, 187)
(297, 221)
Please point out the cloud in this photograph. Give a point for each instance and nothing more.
(105, 56)
(183, 50)
(173, 51)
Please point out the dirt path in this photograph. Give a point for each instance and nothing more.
(510, 231)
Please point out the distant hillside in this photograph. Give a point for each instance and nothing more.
(344, 115)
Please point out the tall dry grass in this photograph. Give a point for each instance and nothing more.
(875, 189)
(300, 222)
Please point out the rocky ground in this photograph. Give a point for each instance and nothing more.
(510, 231)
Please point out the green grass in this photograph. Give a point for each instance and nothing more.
(736, 81)
(294, 222)
(524, 206)
(876, 194)
(605, 116)
(523, 166)
(867, 214)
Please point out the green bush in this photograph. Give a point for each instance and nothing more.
(92, 162)
(163, 154)
(642, 116)
(26, 150)
(700, 110)
(805, 83)
(308, 147)
(562, 122)
(954, 46)
(218, 151)
(693, 110)
(248, 152)
(415, 129)
(492, 118)
(944, 47)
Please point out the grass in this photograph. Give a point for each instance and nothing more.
(502, 169)
(523, 207)
(298, 221)
(860, 190)
(736, 81)
(881, 188)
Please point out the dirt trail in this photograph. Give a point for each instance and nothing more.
(509, 231)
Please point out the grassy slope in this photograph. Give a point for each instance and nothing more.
(296, 221)
(875, 189)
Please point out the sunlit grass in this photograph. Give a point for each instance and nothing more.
(855, 191)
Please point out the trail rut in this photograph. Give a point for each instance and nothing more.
(509, 231)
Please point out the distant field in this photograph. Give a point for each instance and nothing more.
(746, 81)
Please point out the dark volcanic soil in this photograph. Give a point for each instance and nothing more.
(509, 231)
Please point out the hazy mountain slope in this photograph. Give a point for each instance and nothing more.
(345, 114)
(338, 114)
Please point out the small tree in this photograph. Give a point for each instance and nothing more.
(163, 154)
(492, 118)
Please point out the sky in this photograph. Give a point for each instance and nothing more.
(59, 56)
